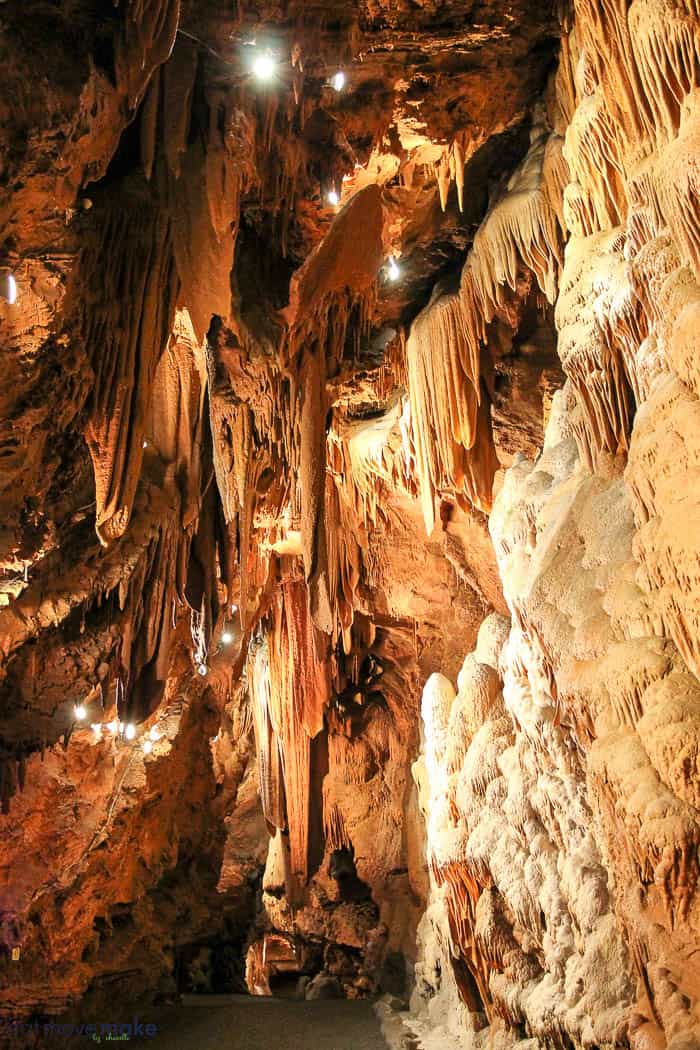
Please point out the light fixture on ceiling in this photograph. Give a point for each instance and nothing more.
(264, 67)
(338, 80)
(79, 712)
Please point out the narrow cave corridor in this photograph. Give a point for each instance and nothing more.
(350, 524)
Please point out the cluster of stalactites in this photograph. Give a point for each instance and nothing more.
(449, 414)
(450, 169)
(631, 146)
(522, 229)
(449, 410)
(368, 456)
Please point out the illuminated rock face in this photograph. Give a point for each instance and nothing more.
(364, 530)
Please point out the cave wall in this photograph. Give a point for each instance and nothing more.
(558, 781)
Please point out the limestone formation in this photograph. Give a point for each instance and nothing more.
(349, 512)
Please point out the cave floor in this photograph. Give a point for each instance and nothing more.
(251, 1023)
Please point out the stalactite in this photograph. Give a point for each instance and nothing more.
(312, 474)
(270, 769)
(605, 39)
(443, 379)
(125, 318)
(335, 284)
(679, 187)
(665, 41)
(367, 457)
(595, 289)
(148, 37)
(344, 561)
(593, 151)
(520, 229)
(290, 686)
(450, 417)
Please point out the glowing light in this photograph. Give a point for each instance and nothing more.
(147, 747)
(393, 270)
(79, 712)
(8, 287)
(145, 444)
(226, 637)
(332, 197)
(264, 67)
(338, 80)
(113, 726)
(202, 669)
(97, 729)
(130, 731)
(234, 609)
(153, 733)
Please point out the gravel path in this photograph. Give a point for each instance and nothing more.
(251, 1023)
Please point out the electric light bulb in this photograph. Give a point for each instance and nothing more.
(393, 271)
(202, 669)
(153, 733)
(130, 731)
(332, 197)
(227, 638)
(338, 80)
(264, 67)
(79, 712)
(147, 747)
(8, 287)
(145, 444)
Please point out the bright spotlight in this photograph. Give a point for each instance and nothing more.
(130, 731)
(332, 197)
(144, 444)
(393, 271)
(147, 747)
(8, 286)
(79, 712)
(338, 80)
(264, 67)
(226, 638)
(153, 733)
(202, 669)
(113, 726)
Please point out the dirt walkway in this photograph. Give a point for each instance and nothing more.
(242, 1023)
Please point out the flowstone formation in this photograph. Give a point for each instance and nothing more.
(349, 630)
